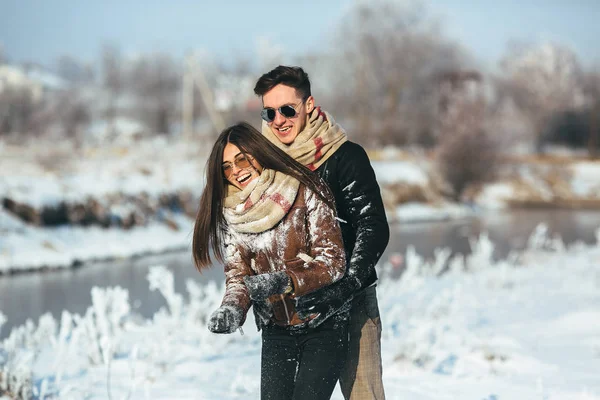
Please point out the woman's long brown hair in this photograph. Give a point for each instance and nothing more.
(210, 223)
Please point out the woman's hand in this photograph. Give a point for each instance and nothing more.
(226, 319)
(263, 286)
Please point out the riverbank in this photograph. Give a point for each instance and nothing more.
(25, 248)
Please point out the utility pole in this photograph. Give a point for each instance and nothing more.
(206, 95)
(193, 76)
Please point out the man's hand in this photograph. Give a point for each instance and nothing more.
(226, 319)
(325, 301)
(261, 287)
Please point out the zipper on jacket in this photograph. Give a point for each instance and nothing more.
(287, 312)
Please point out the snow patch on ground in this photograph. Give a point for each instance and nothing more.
(400, 171)
(494, 196)
(585, 179)
(419, 212)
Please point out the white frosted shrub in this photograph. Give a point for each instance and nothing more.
(161, 279)
(16, 376)
(482, 251)
(101, 328)
(203, 300)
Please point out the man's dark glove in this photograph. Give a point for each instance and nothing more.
(263, 311)
(326, 301)
(261, 287)
(226, 319)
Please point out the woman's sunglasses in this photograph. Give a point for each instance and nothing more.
(268, 114)
(240, 161)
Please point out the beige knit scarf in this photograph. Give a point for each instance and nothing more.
(262, 204)
(319, 139)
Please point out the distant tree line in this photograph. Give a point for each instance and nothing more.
(146, 89)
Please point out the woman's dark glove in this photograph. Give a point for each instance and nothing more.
(261, 287)
(226, 319)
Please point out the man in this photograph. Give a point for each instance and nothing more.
(311, 136)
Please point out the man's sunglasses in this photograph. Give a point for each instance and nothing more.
(268, 114)
(240, 161)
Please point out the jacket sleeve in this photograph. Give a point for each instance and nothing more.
(362, 202)
(236, 268)
(326, 261)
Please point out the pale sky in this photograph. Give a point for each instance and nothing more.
(42, 30)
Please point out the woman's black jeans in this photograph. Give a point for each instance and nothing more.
(305, 363)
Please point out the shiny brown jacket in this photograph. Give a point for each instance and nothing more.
(306, 243)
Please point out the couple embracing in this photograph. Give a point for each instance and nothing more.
(295, 214)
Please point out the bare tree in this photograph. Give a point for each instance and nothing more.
(542, 80)
(390, 53)
(592, 89)
(74, 115)
(467, 153)
(156, 81)
(43, 118)
(17, 104)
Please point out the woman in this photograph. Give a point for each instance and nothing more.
(273, 225)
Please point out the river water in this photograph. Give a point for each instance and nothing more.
(30, 295)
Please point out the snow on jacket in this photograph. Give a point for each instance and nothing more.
(307, 244)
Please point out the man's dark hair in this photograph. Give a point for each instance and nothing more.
(290, 76)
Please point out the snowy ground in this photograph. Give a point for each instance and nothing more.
(525, 328)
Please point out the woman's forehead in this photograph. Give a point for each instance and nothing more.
(230, 152)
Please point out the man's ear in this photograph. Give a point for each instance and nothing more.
(310, 104)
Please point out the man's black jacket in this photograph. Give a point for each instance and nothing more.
(365, 231)
(350, 176)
